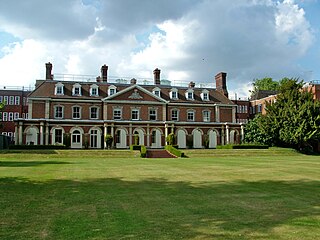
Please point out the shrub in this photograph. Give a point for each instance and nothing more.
(143, 151)
(174, 151)
(171, 139)
(109, 140)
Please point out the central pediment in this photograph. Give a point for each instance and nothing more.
(134, 93)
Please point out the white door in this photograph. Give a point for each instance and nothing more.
(181, 136)
(156, 138)
(32, 136)
(232, 136)
(212, 139)
(76, 139)
(121, 138)
(197, 139)
(95, 138)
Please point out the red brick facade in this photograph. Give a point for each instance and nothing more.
(85, 112)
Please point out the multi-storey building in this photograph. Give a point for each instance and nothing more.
(88, 111)
(15, 106)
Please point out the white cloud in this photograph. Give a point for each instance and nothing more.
(246, 38)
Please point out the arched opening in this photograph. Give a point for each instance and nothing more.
(121, 138)
(212, 139)
(140, 136)
(197, 138)
(181, 138)
(232, 136)
(76, 139)
(95, 138)
(156, 138)
(32, 136)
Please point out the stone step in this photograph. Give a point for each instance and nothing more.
(159, 153)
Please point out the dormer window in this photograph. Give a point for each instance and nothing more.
(174, 93)
(76, 90)
(189, 94)
(205, 95)
(112, 90)
(59, 89)
(94, 90)
(157, 91)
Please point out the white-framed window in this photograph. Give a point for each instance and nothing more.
(4, 116)
(135, 114)
(16, 115)
(112, 90)
(174, 114)
(27, 115)
(174, 93)
(94, 112)
(157, 91)
(94, 90)
(1, 99)
(259, 108)
(10, 116)
(5, 99)
(117, 113)
(76, 89)
(58, 136)
(76, 112)
(58, 112)
(59, 89)
(190, 115)
(17, 100)
(152, 114)
(76, 136)
(23, 115)
(206, 115)
(4, 133)
(0, 116)
(189, 94)
(11, 100)
(205, 95)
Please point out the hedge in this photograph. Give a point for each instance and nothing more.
(37, 147)
(174, 151)
(141, 148)
(243, 146)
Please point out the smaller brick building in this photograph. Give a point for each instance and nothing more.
(16, 106)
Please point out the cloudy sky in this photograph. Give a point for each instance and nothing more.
(189, 40)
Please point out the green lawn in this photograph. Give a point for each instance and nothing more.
(212, 194)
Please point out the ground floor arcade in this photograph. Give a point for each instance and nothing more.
(82, 134)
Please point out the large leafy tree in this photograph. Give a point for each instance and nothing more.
(264, 84)
(293, 120)
(255, 133)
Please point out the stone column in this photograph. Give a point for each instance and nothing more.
(112, 134)
(20, 132)
(130, 134)
(148, 135)
(16, 133)
(222, 135)
(217, 114)
(104, 136)
(47, 134)
(227, 134)
(165, 133)
(41, 132)
(242, 132)
(234, 111)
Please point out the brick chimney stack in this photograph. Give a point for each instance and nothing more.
(221, 83)
(156, 76)
(104, 73)
(48, 71)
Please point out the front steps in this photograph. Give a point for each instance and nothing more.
(159, 153)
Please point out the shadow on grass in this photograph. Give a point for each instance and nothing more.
(28, 151)
(29, 163)
(157, 209)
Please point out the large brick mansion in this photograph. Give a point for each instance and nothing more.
(88, 111)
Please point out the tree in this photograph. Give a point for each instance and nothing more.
(109, 140)
(293, 120)
(264, 84)
(255, 133)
